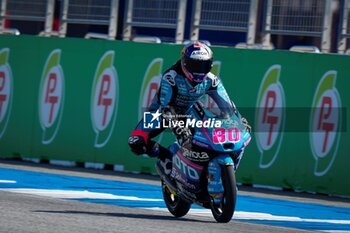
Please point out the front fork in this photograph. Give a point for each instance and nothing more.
(236, 157)
(215, 186)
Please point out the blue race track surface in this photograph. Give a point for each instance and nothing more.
(308, 216)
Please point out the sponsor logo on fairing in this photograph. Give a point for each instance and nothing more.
(195, 155)
(51, 97)
(185, 168)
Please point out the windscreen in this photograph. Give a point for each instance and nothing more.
(213, 110)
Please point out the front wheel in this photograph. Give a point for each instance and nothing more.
(175, 204)
(223, 211)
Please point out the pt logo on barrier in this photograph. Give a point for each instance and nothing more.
(325, 123)
(104, 99)
(150, 84)
(270, 116)
(51, 97)
(6, 90)
(149, 88)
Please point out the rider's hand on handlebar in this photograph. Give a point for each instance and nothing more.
(183, 136)
(168, 113)
(246, 125)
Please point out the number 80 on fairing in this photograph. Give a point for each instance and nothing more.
(222, 135)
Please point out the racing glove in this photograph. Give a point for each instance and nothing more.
(183, 136)
(246, 125)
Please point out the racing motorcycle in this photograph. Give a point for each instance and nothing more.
(203, 168)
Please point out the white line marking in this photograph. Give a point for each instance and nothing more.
(8, 181)
(243, 215)
(335, 231)
(68, 194)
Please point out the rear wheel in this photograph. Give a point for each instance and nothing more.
(223, 211)
(175, 205)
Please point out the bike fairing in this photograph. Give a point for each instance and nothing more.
(205, 175)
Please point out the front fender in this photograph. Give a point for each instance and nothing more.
(215, 187)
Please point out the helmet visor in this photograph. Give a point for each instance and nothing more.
(198, 66)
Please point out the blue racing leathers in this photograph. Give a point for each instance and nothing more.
(178, 92)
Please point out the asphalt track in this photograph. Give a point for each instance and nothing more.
(46, 198)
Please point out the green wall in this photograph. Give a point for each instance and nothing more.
(78, 100)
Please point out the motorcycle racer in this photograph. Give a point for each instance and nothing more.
(182, 85)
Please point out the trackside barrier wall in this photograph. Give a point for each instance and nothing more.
(78, 100)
